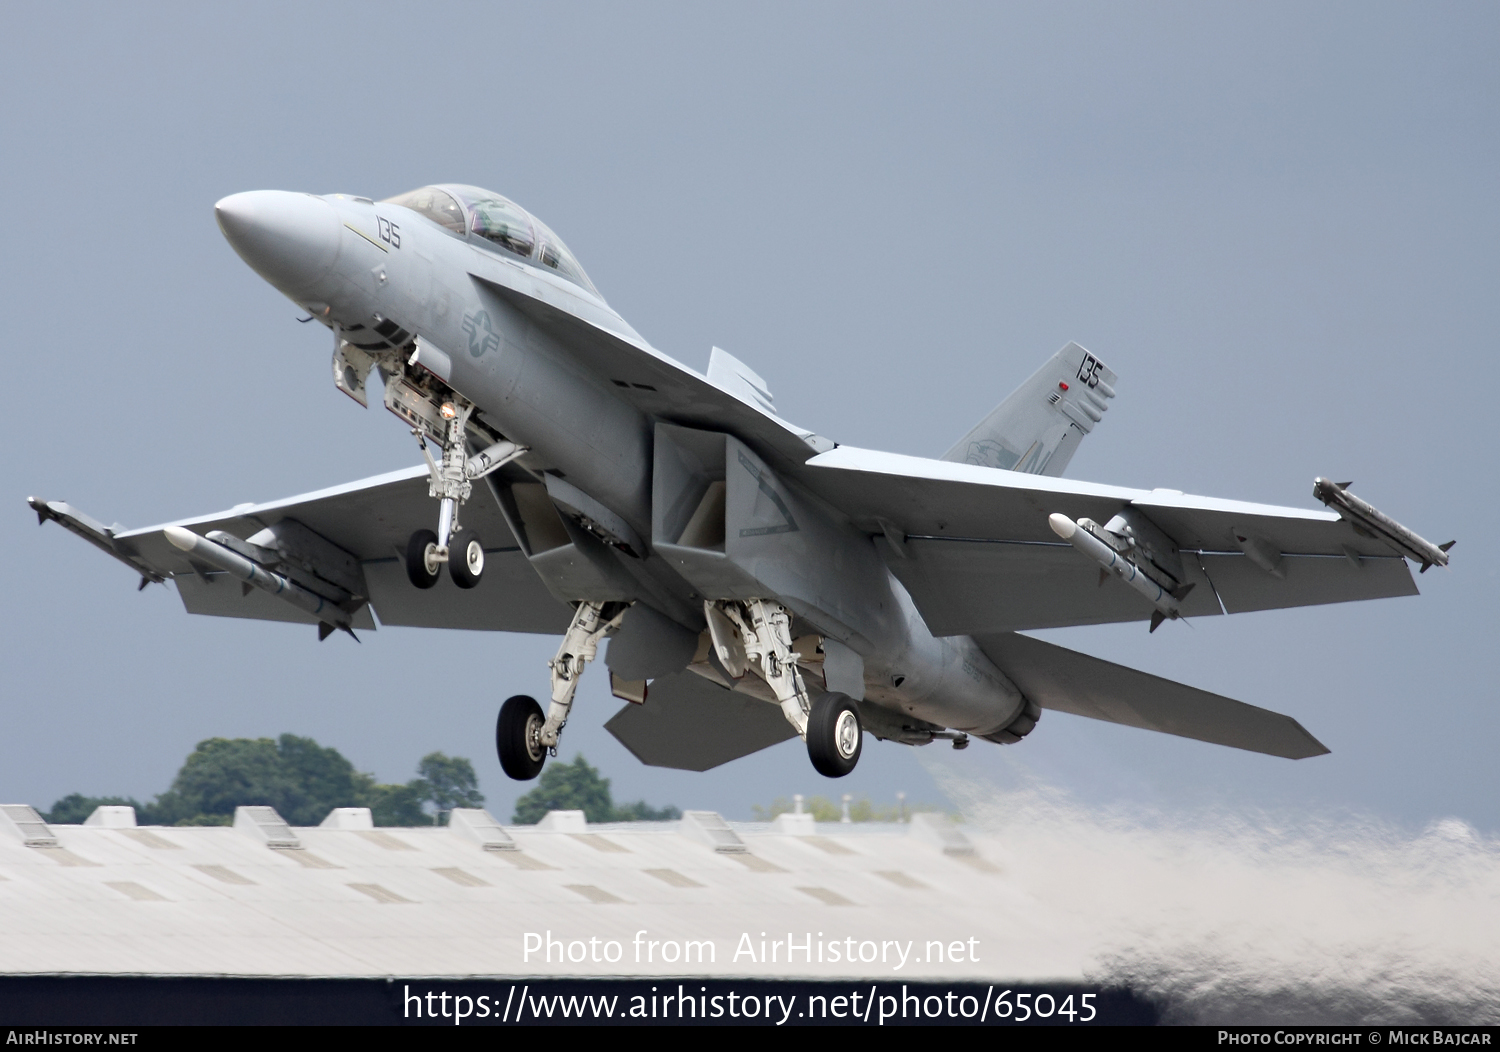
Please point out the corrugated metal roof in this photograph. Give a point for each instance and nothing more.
(434, 901)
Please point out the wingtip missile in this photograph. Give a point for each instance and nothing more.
(1372, 522)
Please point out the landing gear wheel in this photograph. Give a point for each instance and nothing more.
(465, 558)
(834, 735)
(421, 568)
(516, 738)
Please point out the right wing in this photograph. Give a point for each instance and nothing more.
(1061, 679)
(369, 522)
(972, 546)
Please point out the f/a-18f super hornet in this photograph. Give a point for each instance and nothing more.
(754, 579)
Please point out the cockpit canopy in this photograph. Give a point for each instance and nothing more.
(470, 211)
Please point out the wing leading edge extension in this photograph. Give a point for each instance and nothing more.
(973, 546)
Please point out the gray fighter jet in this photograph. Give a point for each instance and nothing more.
(755, 580)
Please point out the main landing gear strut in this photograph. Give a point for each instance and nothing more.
(756, 635)
(523, 738)
(748, 635)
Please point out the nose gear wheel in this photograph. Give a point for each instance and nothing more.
(422, 569)
(466, 559)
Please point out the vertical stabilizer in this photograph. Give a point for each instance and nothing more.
(1038, 428)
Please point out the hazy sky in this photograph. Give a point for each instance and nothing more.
(1277, 223)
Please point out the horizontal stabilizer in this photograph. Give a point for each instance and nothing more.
(1066, 681)
(692, 724)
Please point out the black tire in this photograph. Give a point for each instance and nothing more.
(834, 735)
(521, 755)
(465, 558)
(418, 570)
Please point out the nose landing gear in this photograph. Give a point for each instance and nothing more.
(451, 482)
(423, 567)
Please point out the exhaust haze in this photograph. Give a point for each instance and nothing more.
(1253, 916)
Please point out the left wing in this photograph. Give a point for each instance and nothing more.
(973, 547)
(362, 527)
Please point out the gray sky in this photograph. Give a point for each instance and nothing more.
(1275, 222)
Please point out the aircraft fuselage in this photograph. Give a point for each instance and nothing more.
(382, 276)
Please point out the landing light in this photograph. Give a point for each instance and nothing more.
(449, 410)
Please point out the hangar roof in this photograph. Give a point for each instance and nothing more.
(347, 899)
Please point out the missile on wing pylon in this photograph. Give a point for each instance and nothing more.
(1366, 519)
(236, 565)
(1080, 536)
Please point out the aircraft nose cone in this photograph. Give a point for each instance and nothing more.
(290, 239)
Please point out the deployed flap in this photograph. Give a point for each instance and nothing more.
(1305, 580)
(223, 595)
(963, 587)
(1064, 680)
(693, 725)
(1038, 428)
(510, 597)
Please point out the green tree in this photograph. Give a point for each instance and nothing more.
(219, 775)
(72, 809)
(395, 805)
(578, 787)
(640, 812)
(300, 778)
(318, 779)
(446, 782)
